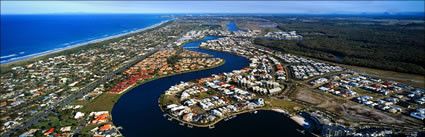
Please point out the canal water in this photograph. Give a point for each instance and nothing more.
(231, 26)
(138, 113)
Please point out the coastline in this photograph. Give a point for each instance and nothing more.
(48, 52)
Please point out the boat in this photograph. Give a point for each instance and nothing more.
(165, 115)
(181, 123)
(169, 119)
(190, 126)
(211, 126)
(255, 112)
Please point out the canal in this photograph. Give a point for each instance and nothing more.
(138, 113)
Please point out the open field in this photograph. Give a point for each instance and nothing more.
(87, 128)
(316, 98)
(53, 121)
(368, 93)
(349, 110)
(104, 102)
(284, 104)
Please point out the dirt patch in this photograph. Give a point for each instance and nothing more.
(358, 112)
(349, 110)
(316, 98)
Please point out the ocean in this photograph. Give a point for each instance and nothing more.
(25, 36)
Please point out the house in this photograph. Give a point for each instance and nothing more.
(48, 132)
(189, 102)
(419, 113)
(323, 88)
(188, 117)
(101, 118)
(105, 127)
(65, 129)
(394, 109)
(78, 115)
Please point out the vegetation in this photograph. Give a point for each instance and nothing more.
(55, 122)
(286, 105)
(173, 59)
(209, 27)
(397, 46)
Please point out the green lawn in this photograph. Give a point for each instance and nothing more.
(86, 129)
(104, 102)
(168, 99)
(286, 105)
(53, 121)
(367, 93)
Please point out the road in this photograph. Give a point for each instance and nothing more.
(42, 115)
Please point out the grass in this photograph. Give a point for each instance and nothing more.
(286, 105)
(104, 102)
(206, 95)
(87, 128)
(55, 122)
(168, 99)
(367, 93)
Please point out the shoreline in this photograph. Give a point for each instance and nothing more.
(44, 53)
(277, 110)
(139, 83)
(164, 76)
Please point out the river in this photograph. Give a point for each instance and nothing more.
(138, 113)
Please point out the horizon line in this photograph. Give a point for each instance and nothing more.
(348, 13)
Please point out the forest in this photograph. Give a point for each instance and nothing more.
(390, 44)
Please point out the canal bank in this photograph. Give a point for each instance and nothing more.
(138, 113)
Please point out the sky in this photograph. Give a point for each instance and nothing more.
(290, 7)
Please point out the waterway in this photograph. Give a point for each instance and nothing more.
(231, 26)
(138, 113)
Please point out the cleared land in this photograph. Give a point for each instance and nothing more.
(347, 109)
(289, 106)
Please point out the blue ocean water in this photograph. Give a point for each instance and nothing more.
(23, 36)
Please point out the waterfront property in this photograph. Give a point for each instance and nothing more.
(235, 77)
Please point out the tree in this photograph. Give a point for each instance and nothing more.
(38, 133)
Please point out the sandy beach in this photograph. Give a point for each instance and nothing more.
(31, 56)
(299, 120)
